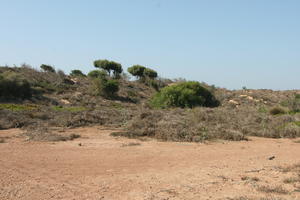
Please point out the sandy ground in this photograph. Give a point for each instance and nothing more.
(104, 167)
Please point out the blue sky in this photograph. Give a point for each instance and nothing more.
(228, 43)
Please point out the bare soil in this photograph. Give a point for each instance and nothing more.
(98, 166)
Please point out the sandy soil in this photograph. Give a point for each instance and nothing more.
(98, 166)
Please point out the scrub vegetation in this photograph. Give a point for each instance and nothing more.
(145, 105)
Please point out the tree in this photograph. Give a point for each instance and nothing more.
(150, 73)
(109, 66)
(47, 68)
(137, 70)
(116, 68)
(77, 72)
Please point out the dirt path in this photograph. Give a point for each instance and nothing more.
(104, 167)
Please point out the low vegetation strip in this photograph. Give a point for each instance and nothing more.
(18, 107)
(151, 106)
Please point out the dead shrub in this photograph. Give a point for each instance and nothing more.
(196, 125)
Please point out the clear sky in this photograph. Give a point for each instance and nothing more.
(229, 43)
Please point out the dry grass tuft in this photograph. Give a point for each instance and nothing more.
(131, 144)
(291, 180)
(290, 168)
(272, 189)
(247, 178)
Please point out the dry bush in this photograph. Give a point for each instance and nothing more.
(43, 133)
(194, 125)
(10, 119)
(199, 124)
(2, 140)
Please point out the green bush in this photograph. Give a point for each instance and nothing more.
(97, 74)
(186, 94)
(13, 86)
(77, 72)
(105, 87)
(47, 68)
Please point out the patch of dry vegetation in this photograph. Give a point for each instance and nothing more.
(59, 100)
(252, 198)
(42, 133)
(279, 189)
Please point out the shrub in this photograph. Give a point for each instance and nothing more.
(277, 111)
(14, 86)
(110, 87)
(97, 74)
(106, 87)
(47, 68)
(185, 94)
(293, 104)
(77, 72)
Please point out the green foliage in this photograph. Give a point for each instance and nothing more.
(17, 107)
(47, 68)
(137, 70)
(13, 86)
(187, 94)
(69, 108)
(110, 88)
(105, 87)
(142, 72)
(109, 66)
(97, 74)
(77, 72)
(150, 73)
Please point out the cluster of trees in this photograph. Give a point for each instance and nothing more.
(106, 79)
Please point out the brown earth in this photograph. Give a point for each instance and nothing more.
(98, 166)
